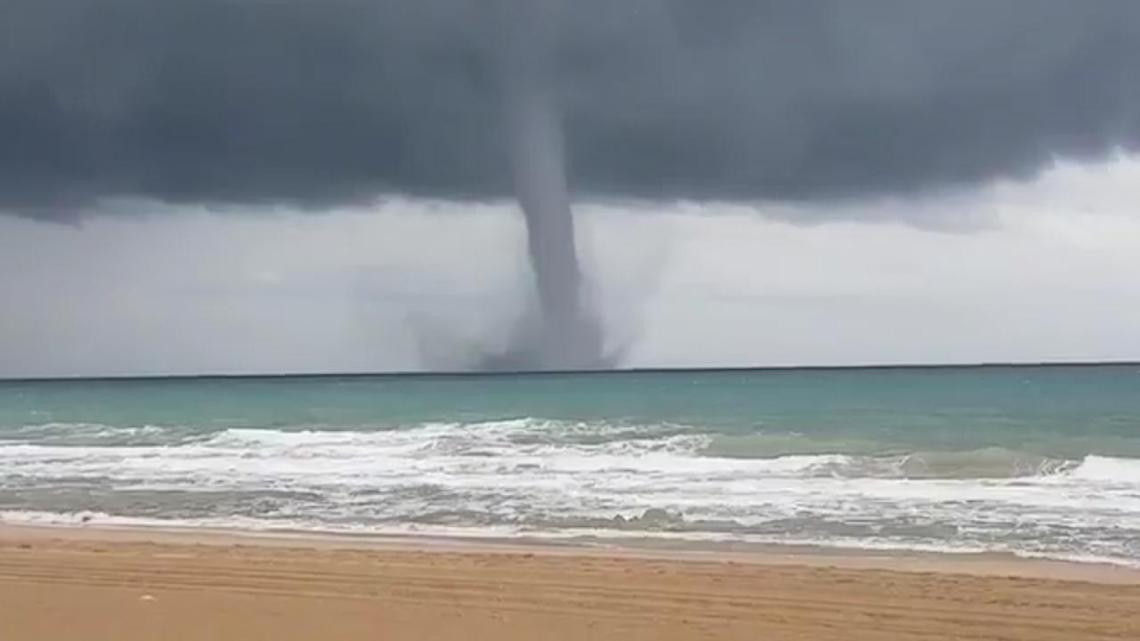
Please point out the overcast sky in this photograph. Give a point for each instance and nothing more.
(191, 186)
(1044, 270)
(320, 103)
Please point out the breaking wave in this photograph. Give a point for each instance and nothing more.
(539, 477)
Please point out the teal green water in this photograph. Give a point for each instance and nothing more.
(1062, 411)
(1031, 460)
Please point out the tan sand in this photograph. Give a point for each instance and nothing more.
(96, 585)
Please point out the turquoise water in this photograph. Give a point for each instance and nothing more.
(1032, 460)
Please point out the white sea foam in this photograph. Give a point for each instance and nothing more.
(1109, 469)
(87, 433)
(551, 478)
(285, 527)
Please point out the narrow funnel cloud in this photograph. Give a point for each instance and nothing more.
(564, 333)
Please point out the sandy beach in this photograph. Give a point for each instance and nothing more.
(126, 585)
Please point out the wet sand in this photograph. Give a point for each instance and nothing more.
(131, 585)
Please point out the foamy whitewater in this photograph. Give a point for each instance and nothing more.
(921, 460)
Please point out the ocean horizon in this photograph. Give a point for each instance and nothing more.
(1035, 460)
(435, 373)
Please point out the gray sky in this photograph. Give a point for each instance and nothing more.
(1046, 270)
(293, 185)
(321, 103)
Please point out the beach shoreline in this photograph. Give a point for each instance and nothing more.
(645, 548)
(139, 583)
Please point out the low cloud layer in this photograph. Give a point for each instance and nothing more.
(191, 291)
(316, 104)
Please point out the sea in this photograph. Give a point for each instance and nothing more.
(1039, 461)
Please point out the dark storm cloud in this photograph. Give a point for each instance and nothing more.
(312, 103)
